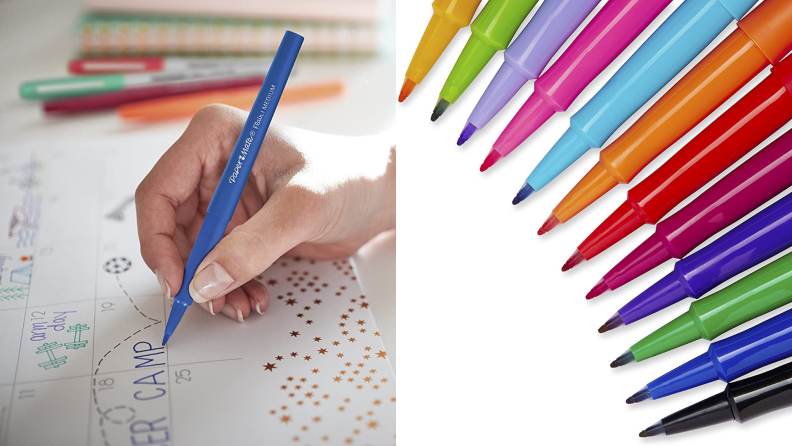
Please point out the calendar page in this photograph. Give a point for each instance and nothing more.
(82, 320)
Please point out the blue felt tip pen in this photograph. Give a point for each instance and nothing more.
(728, 359)
(229, 189)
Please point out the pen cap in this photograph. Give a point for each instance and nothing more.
(761, 394)
(456, 12)
(769, 26)
(499, 20)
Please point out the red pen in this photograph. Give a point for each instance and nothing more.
(104, 101)
(736, 132)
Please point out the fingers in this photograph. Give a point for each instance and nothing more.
(173, 181)
(291, 216)
(257, 295)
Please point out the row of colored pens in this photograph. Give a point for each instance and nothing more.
(761, 39)
(161, 88)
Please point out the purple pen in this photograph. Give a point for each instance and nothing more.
(527, 56)
(757, 239)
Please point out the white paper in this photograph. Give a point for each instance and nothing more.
(82, 319)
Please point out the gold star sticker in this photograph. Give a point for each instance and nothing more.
(302, 380)
(315, 371)
(325, 396)
(309, 395)
(351, 339)
(299, 403)
(342, 324)
(272, 282)
(347, 400)
(325, 438)
(316, 403)
(377, 402)
(340, 355)
(372, 371)
(273, 412)
(350, 379)
(344, 332)
(393, 399)
(340, 408)
(290, 379)
(284, 387)
(376, 333)
(304, 428)
(381, 354)
(285, 419)
(344, 316)
(360, 364)
(336, 342)
(291, 302)
(317, 339)
(348, 440)
(295, 333)
(278, 358)
(298, 387)
(293, 354)
(372, 424)
(309, 322)
(362, 330)
(307, 358)
(347, 364)
(367, 379)
(375, 386)
(361, 322)
(270, 367)
(337, 379)
(322, 351)
(359, 386)
(296, 438)
(366, 356)
(317, 301)
(364, 305)
(317, 419)
(291, 395)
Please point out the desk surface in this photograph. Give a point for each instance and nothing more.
(41, 48)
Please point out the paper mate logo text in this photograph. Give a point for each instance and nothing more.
(243, 154)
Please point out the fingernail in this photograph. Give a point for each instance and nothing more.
(258, 307)
(208, 306)
(210, 283)
(233, 313)
(163, 284)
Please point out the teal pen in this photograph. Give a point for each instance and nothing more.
(685, 34)
(229, 189)
(65, 87)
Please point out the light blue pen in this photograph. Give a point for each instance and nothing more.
(693, 26)
(226, 196)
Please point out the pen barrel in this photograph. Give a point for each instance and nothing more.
(709, 412)
(757, 239)
(753, 348)
(616, 25)
(447, 18)
(754, 118)
(759, 395)
(762, 38)
(235, 175)
(678, 40)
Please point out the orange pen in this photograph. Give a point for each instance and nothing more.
(184, 106)
(762, 38)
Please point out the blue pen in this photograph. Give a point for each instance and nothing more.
(692, 26)
(229, 189)
(728, 359)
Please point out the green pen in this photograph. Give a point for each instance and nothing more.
(84, 85)
(492, 30)
(760, 292)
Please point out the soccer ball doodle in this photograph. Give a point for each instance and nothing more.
(117, 265)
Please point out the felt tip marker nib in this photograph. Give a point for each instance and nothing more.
(551, 222)
(625, 358)
(440, 108)
(407, 88)
(575, 260)
(492, 157)
(598, 289)
(653, 430)
(467, 132)
(613, 322)
(523, 193)
(165, 339)
(641, 395)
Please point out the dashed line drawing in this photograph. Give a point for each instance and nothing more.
(117, 214)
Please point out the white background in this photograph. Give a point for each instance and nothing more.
(497, 346)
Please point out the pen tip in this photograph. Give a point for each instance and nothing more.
(653, 430)
(440, 108)
(492, 157)
(165, 339)
(551, 222)
(467, 132)
(623, 359)
(406, 89)
(523, 193)
(613, 322)
(573, 261)
(641, 395)
(598, 289)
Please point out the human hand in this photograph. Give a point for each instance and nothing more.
(308, 195)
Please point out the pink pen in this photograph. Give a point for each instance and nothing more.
(604, 38)
(757, 180)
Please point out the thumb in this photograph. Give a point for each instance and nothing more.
(287, 219)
